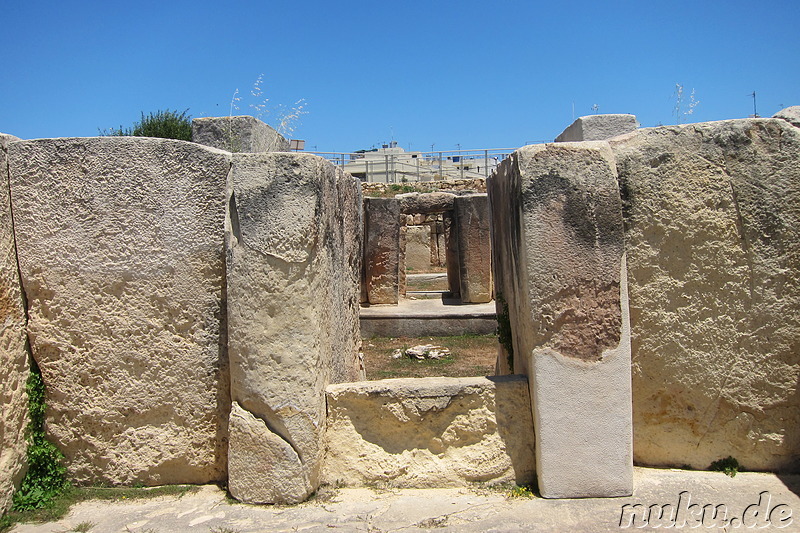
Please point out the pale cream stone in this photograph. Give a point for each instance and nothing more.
(120, 244)
(712, 212)
(13, 353)
(429, 432)
(293, 233)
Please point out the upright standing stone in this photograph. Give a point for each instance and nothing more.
(293, 302)
(382, 250)
(451, 253)
(120, 243)
(13, 353)
(238, 134)
(569, 315)
(474, 248)
(712, 217)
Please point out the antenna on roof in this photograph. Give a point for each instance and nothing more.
(755, 113)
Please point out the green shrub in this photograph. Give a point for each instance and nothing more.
(165, 124)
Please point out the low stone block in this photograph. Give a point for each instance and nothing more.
(121, 253)
(562, 242)
(598, 128)
(13, 353)
(293, 301)
(238, 134)
(429, 432)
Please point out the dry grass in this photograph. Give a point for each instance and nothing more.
(470, 355)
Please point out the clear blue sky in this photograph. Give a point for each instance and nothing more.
(480, 74)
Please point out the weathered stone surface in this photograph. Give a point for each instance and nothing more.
(382, 249)
(598, 128)
(451, 253)
(120, 244)
(293, 289)
(238, 134)
(474, 248)
(712, 214)
(429, 432)
(415, 203)
(790, 115)
(418, 248)
(13, 353)
(562, 246)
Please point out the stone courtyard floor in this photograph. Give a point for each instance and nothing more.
(763, 501)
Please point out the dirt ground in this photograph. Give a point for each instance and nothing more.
(470, 355)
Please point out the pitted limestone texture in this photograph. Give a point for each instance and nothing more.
(13, 352)
(238, 134)
(598, 128)
(429, 432)
(120, 246)
(712, 215)
(294, 228)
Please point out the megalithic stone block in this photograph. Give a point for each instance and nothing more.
(293, 288)
(474, 248)
(238, 134)
(451, 253)
(121, 252)
(563, 241)
(13, 353)
(382, 250)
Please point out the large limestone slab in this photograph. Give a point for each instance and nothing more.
(120, 244)
(598, 128)
(790, 114)
(712, 212)
(382, 261)
(562, 259)
(474, 248)
(293, 236)
(13, 353)
(238, 134)
(429, 432)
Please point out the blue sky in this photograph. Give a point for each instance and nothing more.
(476, 74)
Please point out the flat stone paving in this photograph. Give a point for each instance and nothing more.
(471, 510)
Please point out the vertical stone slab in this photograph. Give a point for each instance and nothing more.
(451, 253)
(382, 250)
(474, 248)
(13, 351)
(293, 245)
(574, 332)
(238, 134)
(712, 217)
(120, 243)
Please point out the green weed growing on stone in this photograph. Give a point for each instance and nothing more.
(728, 466)
(521, 491)
(504, 331)
(46, 476)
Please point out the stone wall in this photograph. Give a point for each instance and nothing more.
(121, 251)
(429, 432)
(712, 214)
(14, 360)
(293, 285)
(133, 310)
